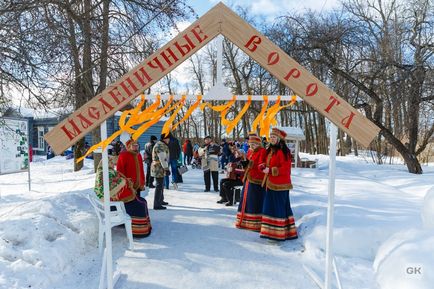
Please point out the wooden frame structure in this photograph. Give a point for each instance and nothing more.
(219, 20)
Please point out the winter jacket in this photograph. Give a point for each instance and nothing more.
(245, 147)
(174, 149)
(160, 160)
(130, 164)
(189, 149)
(213, 149)
(226, 150)
(210, 159)
(256, 157)
(279, 176)
(148, 152)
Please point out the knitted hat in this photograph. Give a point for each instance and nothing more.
(253, 138)
(279, 133)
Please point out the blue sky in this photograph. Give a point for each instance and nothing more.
(266, 8)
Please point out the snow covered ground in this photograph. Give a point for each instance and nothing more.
(48, 237)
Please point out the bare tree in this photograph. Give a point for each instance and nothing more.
(65, 46)
(384, 51)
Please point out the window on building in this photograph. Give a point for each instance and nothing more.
(38, 138)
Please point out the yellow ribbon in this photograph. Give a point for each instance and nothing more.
(224, 121)
(259, 119)
(152, 115)
(270, 118)
(219, 108)
(125, 126)
(168, 124)
(189, 111)
(233, 123)
(265, 123)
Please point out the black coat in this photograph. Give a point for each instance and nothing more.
(189, 149)
(174, 149)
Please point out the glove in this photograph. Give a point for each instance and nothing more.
(167, 172)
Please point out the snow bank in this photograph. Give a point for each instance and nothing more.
(405, 261)
(48, 237)
(42, 241)
(428, 210)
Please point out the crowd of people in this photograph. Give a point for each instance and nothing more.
(261, 169)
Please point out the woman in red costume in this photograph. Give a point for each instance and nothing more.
(250, 208)
(130, 164)
(277, 218)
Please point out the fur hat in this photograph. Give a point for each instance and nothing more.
(254, 138)
(279, 133)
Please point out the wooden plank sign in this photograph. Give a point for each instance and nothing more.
(297, 78)
(219, 20)
(135, 82)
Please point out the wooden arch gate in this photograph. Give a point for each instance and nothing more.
(219, 20)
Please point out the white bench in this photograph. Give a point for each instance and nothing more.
(117, 217)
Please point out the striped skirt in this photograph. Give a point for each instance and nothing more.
(277, 220)
(140, 221)
(249, 214)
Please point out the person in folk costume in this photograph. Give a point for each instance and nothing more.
(277, 219)
(160, 168)
(249, 214)
(136, 206)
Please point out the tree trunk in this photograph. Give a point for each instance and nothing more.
(96, 133)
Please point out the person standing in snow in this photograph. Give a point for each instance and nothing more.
(188, 152)
(160, 168)
(226, 152)
(249, 214)
(210, 163)
(148, 160)
(277, 221)
(174, 155)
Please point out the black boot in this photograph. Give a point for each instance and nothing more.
(221, 201)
